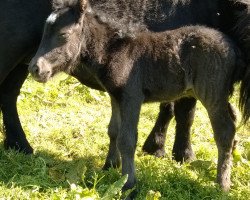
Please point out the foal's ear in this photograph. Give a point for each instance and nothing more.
(57, 4)
(83, 5)
(240, 6)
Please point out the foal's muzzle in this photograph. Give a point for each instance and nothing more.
(40, 70)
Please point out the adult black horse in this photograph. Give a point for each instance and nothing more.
(21, 23)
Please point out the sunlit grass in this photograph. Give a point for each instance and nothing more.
(66, 124)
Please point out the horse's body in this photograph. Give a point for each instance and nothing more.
(21, 26)
(133, 67)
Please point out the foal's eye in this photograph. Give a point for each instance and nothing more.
(63, 36)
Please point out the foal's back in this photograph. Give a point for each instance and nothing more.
(189, 61)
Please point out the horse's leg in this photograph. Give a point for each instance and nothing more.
(224, 131)
(184, 115)
(155, 142)
(232, 112)
(113, 157)
(233, 115)
(127, 138)
(9, 90)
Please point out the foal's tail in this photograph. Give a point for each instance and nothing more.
(245, 95)
(242, 33)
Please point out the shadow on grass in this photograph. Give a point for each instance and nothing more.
(47, 171)
(174, 181)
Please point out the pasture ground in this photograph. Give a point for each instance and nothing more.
(66, 123)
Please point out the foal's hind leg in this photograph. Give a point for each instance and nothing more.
(9, 90)
(155, 142)
(224, 131)
(184, 115)
(113, 157)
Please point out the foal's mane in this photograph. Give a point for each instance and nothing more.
(118, 26)
(122, 26)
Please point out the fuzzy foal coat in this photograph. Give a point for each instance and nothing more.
(188, 62)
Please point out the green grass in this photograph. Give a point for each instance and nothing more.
(66, 124)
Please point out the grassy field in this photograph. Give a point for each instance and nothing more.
(66, 124)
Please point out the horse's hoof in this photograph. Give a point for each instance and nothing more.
(110, 164)
(154, 149)
(159, 153)
(223, 179)
(23, 147)
(224, 185)
(225, 188)
(132, 194)
(106, 166)
(184, 156)
(154, 144)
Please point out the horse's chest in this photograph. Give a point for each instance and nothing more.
(117, 74)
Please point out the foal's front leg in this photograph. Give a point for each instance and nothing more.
(127, 138)
(113, 157)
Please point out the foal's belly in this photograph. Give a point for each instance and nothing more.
(167, 85)
(167, 95)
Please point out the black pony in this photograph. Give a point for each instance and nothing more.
(136, 67)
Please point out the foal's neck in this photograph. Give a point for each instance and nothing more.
(97, 39)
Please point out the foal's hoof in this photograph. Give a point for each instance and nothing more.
(224, 181)
(109, 164)
(184, 156)
(225, 188)
(21, 146)
(225, 185)
(132, 194)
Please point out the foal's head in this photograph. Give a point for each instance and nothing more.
(61, 42)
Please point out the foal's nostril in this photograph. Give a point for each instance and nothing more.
(40, 70)
(36, 69)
